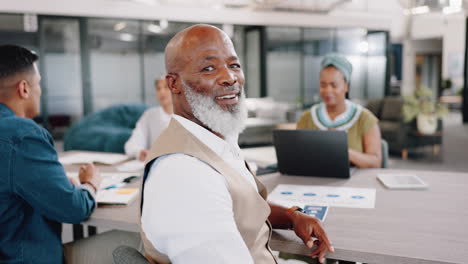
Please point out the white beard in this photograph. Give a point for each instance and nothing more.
(227, 123)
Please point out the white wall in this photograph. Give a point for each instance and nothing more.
(451, 28)
(454, 51)
(425, 46)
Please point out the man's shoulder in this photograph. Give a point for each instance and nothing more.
(178, 160)
(152, 110)
(150, 113)
(179, 166)
(19, 127)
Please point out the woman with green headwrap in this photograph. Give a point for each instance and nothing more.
(338, 113)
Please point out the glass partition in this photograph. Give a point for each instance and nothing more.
(62, 68)
(115, 62)
(284, 63)
(317, 43)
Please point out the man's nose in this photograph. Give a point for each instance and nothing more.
(227, 77)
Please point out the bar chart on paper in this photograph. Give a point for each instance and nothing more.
(302, 195)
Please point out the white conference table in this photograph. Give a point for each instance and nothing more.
(406, 226)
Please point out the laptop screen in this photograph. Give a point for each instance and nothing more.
(308, 152)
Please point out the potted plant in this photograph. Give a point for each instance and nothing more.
(422, 106)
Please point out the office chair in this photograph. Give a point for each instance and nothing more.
(128, 255)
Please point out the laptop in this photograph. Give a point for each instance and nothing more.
(309, 152)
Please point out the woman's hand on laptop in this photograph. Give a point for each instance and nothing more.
(311, 231)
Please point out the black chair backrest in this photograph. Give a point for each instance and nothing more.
(128, 255)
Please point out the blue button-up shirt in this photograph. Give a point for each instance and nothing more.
(35, 194)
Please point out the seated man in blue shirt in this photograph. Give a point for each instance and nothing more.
(35, 194)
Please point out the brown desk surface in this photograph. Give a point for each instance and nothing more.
(406, 226)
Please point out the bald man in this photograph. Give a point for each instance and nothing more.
(200, 202)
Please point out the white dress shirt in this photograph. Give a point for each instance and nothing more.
(187, 210)
(147, 129)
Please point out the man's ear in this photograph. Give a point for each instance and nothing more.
(22, 89)
(172, 80)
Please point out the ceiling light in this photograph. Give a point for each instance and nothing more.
(163, 23)
(127, 37)
(363, 46)
(153, 28)
(119, 26)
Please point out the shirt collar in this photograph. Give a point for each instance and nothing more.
(223, 148)
(5, 111)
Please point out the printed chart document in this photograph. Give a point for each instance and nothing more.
(103, 158)
(302, 195)
(401, 181)
(113, 190)
(317, 211)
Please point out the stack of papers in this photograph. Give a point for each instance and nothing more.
(103, 158)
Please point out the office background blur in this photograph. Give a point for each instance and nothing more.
(95, 54)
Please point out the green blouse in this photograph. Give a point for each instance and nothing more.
(355, 134)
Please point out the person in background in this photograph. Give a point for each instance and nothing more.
(338, 113)
(200, 202)
(151, 123)
(35, 193)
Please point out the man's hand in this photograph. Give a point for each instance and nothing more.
(73, 181)
(143, 155)
(90, 175)
(310, 230)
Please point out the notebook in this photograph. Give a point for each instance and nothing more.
(307, 152)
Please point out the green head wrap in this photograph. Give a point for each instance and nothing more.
(340, 62)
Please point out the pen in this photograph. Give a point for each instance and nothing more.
(130, 179)
(118, 185)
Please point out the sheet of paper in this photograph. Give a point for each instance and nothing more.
(132, 165)
(122, 196)
(317, 211)
(303, 195)
(108, 178)
(103, 158)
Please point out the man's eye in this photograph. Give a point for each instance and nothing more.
(235, 65)
(209, 68)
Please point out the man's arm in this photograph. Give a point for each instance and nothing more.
(138, 140)
(307, 228)
(38, 177)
